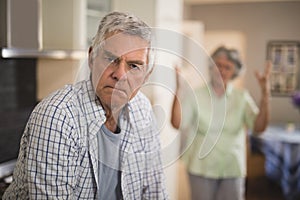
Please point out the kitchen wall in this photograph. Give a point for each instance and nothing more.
(260, 23)
(64, 30)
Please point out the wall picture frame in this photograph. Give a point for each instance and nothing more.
(285, 73)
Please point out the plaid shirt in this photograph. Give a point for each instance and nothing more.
(58, 156)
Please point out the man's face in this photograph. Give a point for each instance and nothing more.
(119, 69)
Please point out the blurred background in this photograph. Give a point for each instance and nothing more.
(44, 45)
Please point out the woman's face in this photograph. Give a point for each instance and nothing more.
(224, 70)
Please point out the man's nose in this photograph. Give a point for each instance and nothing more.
(120, 70)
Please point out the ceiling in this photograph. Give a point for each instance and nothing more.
(195, 2)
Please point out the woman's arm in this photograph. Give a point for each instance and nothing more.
(263, 117)
(176, 109)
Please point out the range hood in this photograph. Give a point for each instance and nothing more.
(21, 32)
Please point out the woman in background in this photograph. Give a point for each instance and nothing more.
(220, 174)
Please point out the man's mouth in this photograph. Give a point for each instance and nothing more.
(117, 91)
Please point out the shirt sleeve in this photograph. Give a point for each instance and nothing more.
(51, 155)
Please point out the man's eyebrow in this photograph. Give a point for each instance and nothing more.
(138, 62)
(111, 55)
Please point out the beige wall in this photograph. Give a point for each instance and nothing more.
(260, 22)
(54, 74)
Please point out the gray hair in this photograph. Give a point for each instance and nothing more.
(127, 23)
(232, 55)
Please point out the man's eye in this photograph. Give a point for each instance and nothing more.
(110, 59)
(135, 67)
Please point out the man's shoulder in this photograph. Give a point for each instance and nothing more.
(67, 94)
(69, 98)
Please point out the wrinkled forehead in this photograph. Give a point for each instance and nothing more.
(121, 44)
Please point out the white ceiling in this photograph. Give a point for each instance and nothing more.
(195, 2)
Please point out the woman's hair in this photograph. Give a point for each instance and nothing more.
(232, 55)
(119, 22)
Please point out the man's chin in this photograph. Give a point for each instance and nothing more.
(118, 102)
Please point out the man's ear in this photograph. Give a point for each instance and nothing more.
(90, 59)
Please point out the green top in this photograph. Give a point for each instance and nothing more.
(216, 127)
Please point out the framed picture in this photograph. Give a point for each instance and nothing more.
(285, 73)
